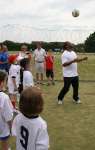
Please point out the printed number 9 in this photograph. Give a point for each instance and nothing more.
(24, 134)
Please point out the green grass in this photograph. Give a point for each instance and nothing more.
(71, 126)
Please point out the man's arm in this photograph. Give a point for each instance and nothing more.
(81, 59)
(73, 61)
(68, 63)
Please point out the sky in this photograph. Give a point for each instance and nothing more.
(47, 20)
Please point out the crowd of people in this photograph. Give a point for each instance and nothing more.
(28, 127)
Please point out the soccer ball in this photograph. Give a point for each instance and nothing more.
(75, 13)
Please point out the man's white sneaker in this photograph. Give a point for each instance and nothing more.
(78, 102)
(59, 102)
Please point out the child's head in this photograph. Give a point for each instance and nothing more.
(3, 76)
(49, 52)
(12, 59)
(31, 102)
(25, 63)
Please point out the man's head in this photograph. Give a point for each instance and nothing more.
(24, 48)
(4, 48)
(68, 46)
(39, 45)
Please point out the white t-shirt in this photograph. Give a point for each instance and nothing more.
(70, 70)
(27, 79)
(6, 114)
(39, 55)
(14, 71)
(31, 134)
(22, 55)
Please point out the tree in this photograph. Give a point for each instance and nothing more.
(90, 43)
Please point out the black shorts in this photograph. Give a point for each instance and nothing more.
(49, 73)
(4, 138)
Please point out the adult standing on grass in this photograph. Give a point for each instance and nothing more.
(24, 53)
(69, 63)
(39, 59)
(4, 58)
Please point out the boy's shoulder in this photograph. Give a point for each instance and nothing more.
(39, 121)
(3, 98)
(4, 95)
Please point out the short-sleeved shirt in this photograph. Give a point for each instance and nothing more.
(49, 62)
(27, 79)
(6, 114)
(14, 72)
(31, 133)
(70, 70)
(39, 55)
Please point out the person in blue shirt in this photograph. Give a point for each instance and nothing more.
(4, 58)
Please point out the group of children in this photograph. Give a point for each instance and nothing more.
(28, 127)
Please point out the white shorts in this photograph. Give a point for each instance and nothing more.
(39, 67)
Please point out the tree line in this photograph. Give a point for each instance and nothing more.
(87, 46)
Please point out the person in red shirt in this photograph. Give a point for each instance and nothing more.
(49, 62)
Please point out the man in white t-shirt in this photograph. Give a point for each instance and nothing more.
(39, 59)
(24, 53)
(70, 74)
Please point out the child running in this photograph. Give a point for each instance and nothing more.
(28, 127)
(13, 79)
(6, 114)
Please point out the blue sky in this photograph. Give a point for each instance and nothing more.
(49, 20)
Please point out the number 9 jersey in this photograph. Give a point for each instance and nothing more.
(31, 133)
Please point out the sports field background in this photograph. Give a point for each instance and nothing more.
(70, 126)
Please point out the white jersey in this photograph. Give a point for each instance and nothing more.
(70, 70)
(6, 114)
(27, 79)
(31, 134)
(14, 71)
(39, 55)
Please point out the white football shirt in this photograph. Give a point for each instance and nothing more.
(14, 71)
(27, 79)
(6, 114)
(31, 134)
(70, 70)
(39, 55)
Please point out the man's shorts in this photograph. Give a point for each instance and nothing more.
(40, 68)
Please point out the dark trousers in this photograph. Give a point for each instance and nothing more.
(74, 81)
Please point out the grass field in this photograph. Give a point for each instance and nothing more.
(71, 126)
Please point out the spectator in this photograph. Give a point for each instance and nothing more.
(39, 59)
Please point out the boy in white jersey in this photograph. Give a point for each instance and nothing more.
(26, 77)
(6, 114)
(28, 127)
(13, 79)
